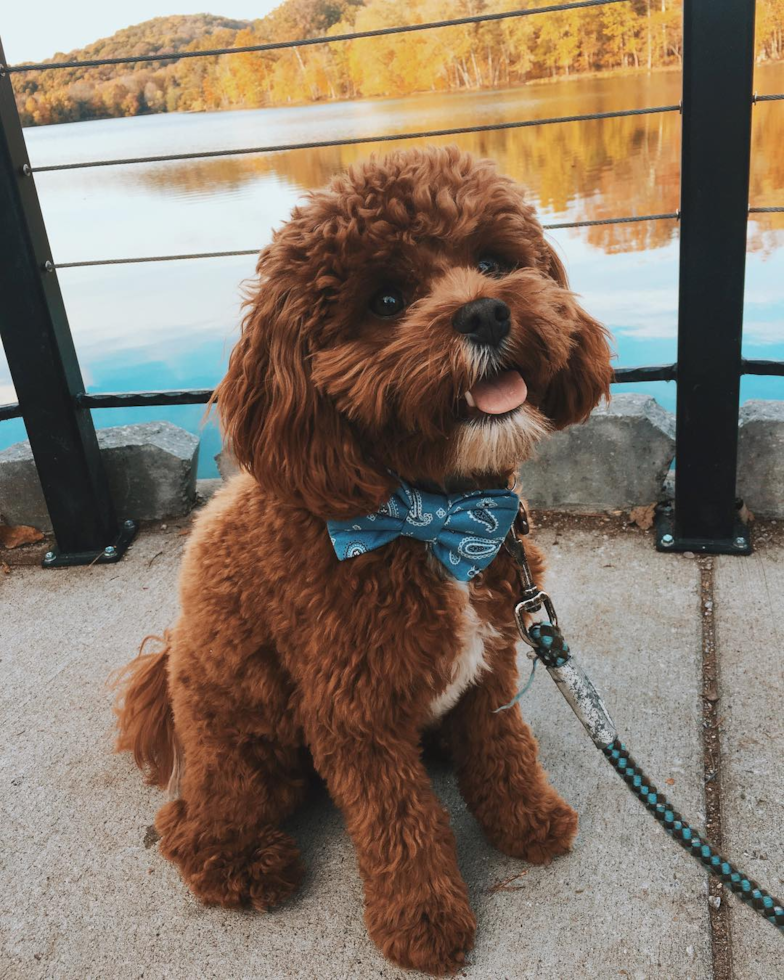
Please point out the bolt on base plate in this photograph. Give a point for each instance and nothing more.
(107, 556)
(667, 540)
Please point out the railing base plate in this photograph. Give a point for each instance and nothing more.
(112, 553)
(668, 540)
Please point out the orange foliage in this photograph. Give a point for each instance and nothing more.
(639, 34)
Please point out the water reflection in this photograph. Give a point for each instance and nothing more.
(587, 171)
(578, 171)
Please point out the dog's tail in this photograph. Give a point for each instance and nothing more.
(144, 714)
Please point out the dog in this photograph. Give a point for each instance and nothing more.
(410, 338)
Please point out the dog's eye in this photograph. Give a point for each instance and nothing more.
(387, 302)
(489, 265)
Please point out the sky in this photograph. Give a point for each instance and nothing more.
(34, 31)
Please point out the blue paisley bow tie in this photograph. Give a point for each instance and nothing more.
(465, 530)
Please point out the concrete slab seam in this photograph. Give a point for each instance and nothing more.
(718, 910)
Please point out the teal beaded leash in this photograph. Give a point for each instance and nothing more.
(549, 646)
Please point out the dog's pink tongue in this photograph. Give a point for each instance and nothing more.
(500, 394)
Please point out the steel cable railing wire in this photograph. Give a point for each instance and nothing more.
(631, 219)
(555, 226)
(778, 97)
(155, 258)
(305, 42)
(354, 141)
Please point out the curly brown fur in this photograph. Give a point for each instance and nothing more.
(284, 658)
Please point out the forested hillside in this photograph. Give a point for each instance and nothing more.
(638, 35)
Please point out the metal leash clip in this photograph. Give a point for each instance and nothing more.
(531, 604)
(532, 598)
(548, 645)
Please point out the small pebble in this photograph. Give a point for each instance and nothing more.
(715, 901)
(164, 527)
(688, 554)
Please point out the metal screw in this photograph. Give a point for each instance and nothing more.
(740, 542)
(109, 550)
(48, 266)
(27, 170)
(667, 541)
(49, 556)
(129, 524)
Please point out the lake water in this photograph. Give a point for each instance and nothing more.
(171, 325)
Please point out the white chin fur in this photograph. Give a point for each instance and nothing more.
(487, 445)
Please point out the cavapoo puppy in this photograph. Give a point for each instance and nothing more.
(410, 338)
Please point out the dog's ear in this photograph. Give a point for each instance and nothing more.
(279, 427)
(554, 267)
(577, 388)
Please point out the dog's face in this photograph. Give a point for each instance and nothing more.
(409, 318)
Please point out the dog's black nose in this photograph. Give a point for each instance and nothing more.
(485, 321)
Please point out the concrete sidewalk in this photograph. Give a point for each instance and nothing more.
(84, 893)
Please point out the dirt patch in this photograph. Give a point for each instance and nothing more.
(614, 523)
(765, 532)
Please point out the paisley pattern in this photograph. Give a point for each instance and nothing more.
(484, 515)
(464, 530)
(416, 516)
(477, 548)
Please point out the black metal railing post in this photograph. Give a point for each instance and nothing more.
(718, 65)
(44, 367)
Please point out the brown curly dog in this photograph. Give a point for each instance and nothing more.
(409, 322)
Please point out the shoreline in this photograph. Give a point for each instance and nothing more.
(295, 104)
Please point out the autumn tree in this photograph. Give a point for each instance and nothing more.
(638, 34)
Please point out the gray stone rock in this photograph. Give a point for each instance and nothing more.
(207, 488)
(761, 457)
(21, 498)
(150, 466)
(226, 463)
(616, 460)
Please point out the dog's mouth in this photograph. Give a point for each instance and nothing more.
(494, 396)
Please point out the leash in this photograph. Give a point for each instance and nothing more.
(548, 645)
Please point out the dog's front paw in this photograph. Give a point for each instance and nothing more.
(537, 835)
(427, 930)
(258, 872)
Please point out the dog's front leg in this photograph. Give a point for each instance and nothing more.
(500, 777)
(416, 902)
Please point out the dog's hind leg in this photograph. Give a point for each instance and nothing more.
(243, 773)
